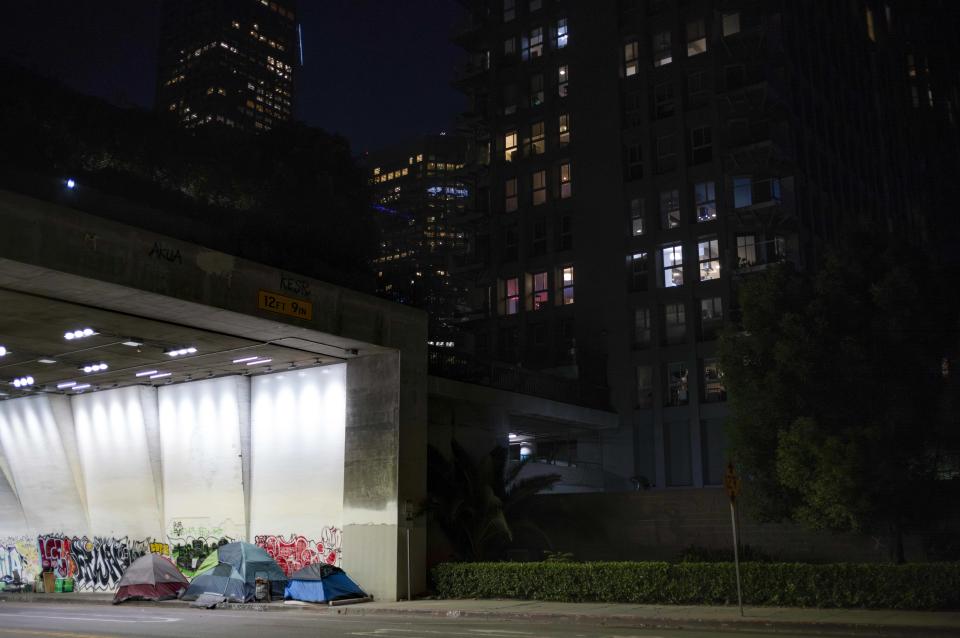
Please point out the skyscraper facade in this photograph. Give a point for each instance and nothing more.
(644, 156)
(228, 62)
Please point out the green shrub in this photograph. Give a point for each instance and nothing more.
(915, 586)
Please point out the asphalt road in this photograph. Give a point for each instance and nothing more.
(99, 621)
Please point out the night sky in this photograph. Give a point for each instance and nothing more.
(376, 71)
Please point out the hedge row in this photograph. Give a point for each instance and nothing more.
(914, 586)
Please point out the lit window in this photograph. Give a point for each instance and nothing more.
(705, 200)
(696, 38)
(672, 260)
(531, 46)
(566, 181)
(511, 299)
(537, 138)
(713, 388)
(677, 386)
(541, 293)
(639, 271)
(701, 145)
(746, 251)
(567, 285)
(675, 323)
(563, 77)
(662, 49)
(708, 251)
(562, 34)
(644, 387)
(871, 30)
(539, 182)
(510, 195)
(642, 332)
(636, 217)
(670, 208)
(509, 10)
(536, 89)
(631, 53)
(510, 146)
(731, 24)
(564, 129)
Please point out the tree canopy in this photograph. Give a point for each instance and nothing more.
(837, 388)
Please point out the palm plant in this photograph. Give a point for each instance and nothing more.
(479, 503)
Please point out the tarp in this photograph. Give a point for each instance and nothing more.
(321, 583)
(224, 580)
(150, 577)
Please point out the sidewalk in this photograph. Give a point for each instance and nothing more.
(824, 621)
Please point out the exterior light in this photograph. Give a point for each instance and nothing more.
(81, 387)
(146, 373)
(94, 367)
(245, 359)
(70, 183)
(70, 335)
(160, 375)
(23, 382)
(132, 343)
(511, 436)
(180, 352)
(3, 351)
(46, 361)
(256, 363)
(66, 384)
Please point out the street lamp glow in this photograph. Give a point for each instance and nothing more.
(70, 183)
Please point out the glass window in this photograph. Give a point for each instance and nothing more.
(672, 259)
(631, 53)
(511, 243)
(510, 194)
(644, 387)
(509, 10)
(565, 233)
(663, 100)
(705, 200)
(633, 162)
(539, 183)
(662, 53)
(566, 181)
(566, 276)
(531, 46)
(636, 216)
(742, 192)
(510, 47)
(512, 296)
(563, 77)
(713, 388)
(562, 35)
(564, 127)
(538, 245)
(535, 5)
(731, 23)
(711, 317)
(674, 323)
(541, 293)
(536, 89)
(639, 271)
(697, 88)
(708, 251)
(666, 153)
(696, 38)
(642, 332)
(538, 143)
(677, 384)
(746, 251)
(670, 208)
(510, 146)
(701, 145)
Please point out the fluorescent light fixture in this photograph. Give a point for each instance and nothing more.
(70, 335)
(180, 352)
(146, 373)
(132, 343)
(245, 359)
(47, 361)
(511, 436)
(94, 367)
(160, 375)
(66, 384)
(256, 363)
(82, 386)
(3, 351)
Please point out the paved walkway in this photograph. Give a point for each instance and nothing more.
(827, 621)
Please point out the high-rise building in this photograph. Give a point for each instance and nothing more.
(420, 204)
(647, 154)
(228, 62)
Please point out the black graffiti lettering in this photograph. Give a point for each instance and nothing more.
(159, 251)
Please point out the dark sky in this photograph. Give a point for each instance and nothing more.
(377, 71)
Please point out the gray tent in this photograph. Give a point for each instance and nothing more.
(223, 580)
(150, 577)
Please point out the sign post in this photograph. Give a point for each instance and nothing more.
(732, 483)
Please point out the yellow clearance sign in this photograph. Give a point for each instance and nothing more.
(282, 305)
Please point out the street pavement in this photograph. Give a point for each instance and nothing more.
(92, 616)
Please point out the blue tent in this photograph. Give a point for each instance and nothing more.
(321, 583)
(224, 579)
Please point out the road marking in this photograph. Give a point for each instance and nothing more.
(421, 633)
(49, 634)
(135, 619)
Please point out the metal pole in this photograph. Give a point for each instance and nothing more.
(409, 588)
(736, 554)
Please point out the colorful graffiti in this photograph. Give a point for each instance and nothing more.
(299, 551)
(94, 564)
(19, 559)
(55, 555)
(188, 554)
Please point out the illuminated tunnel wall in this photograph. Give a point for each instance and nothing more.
(91, 482)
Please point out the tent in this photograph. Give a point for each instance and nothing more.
(150, 577)
(225, 580)
(250, 562)
(320, 583)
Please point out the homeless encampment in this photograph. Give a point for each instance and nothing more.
(150, 577)
(320, 583)
(235, 573)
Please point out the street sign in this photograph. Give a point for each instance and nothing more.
(283, 305)
(731, 482)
